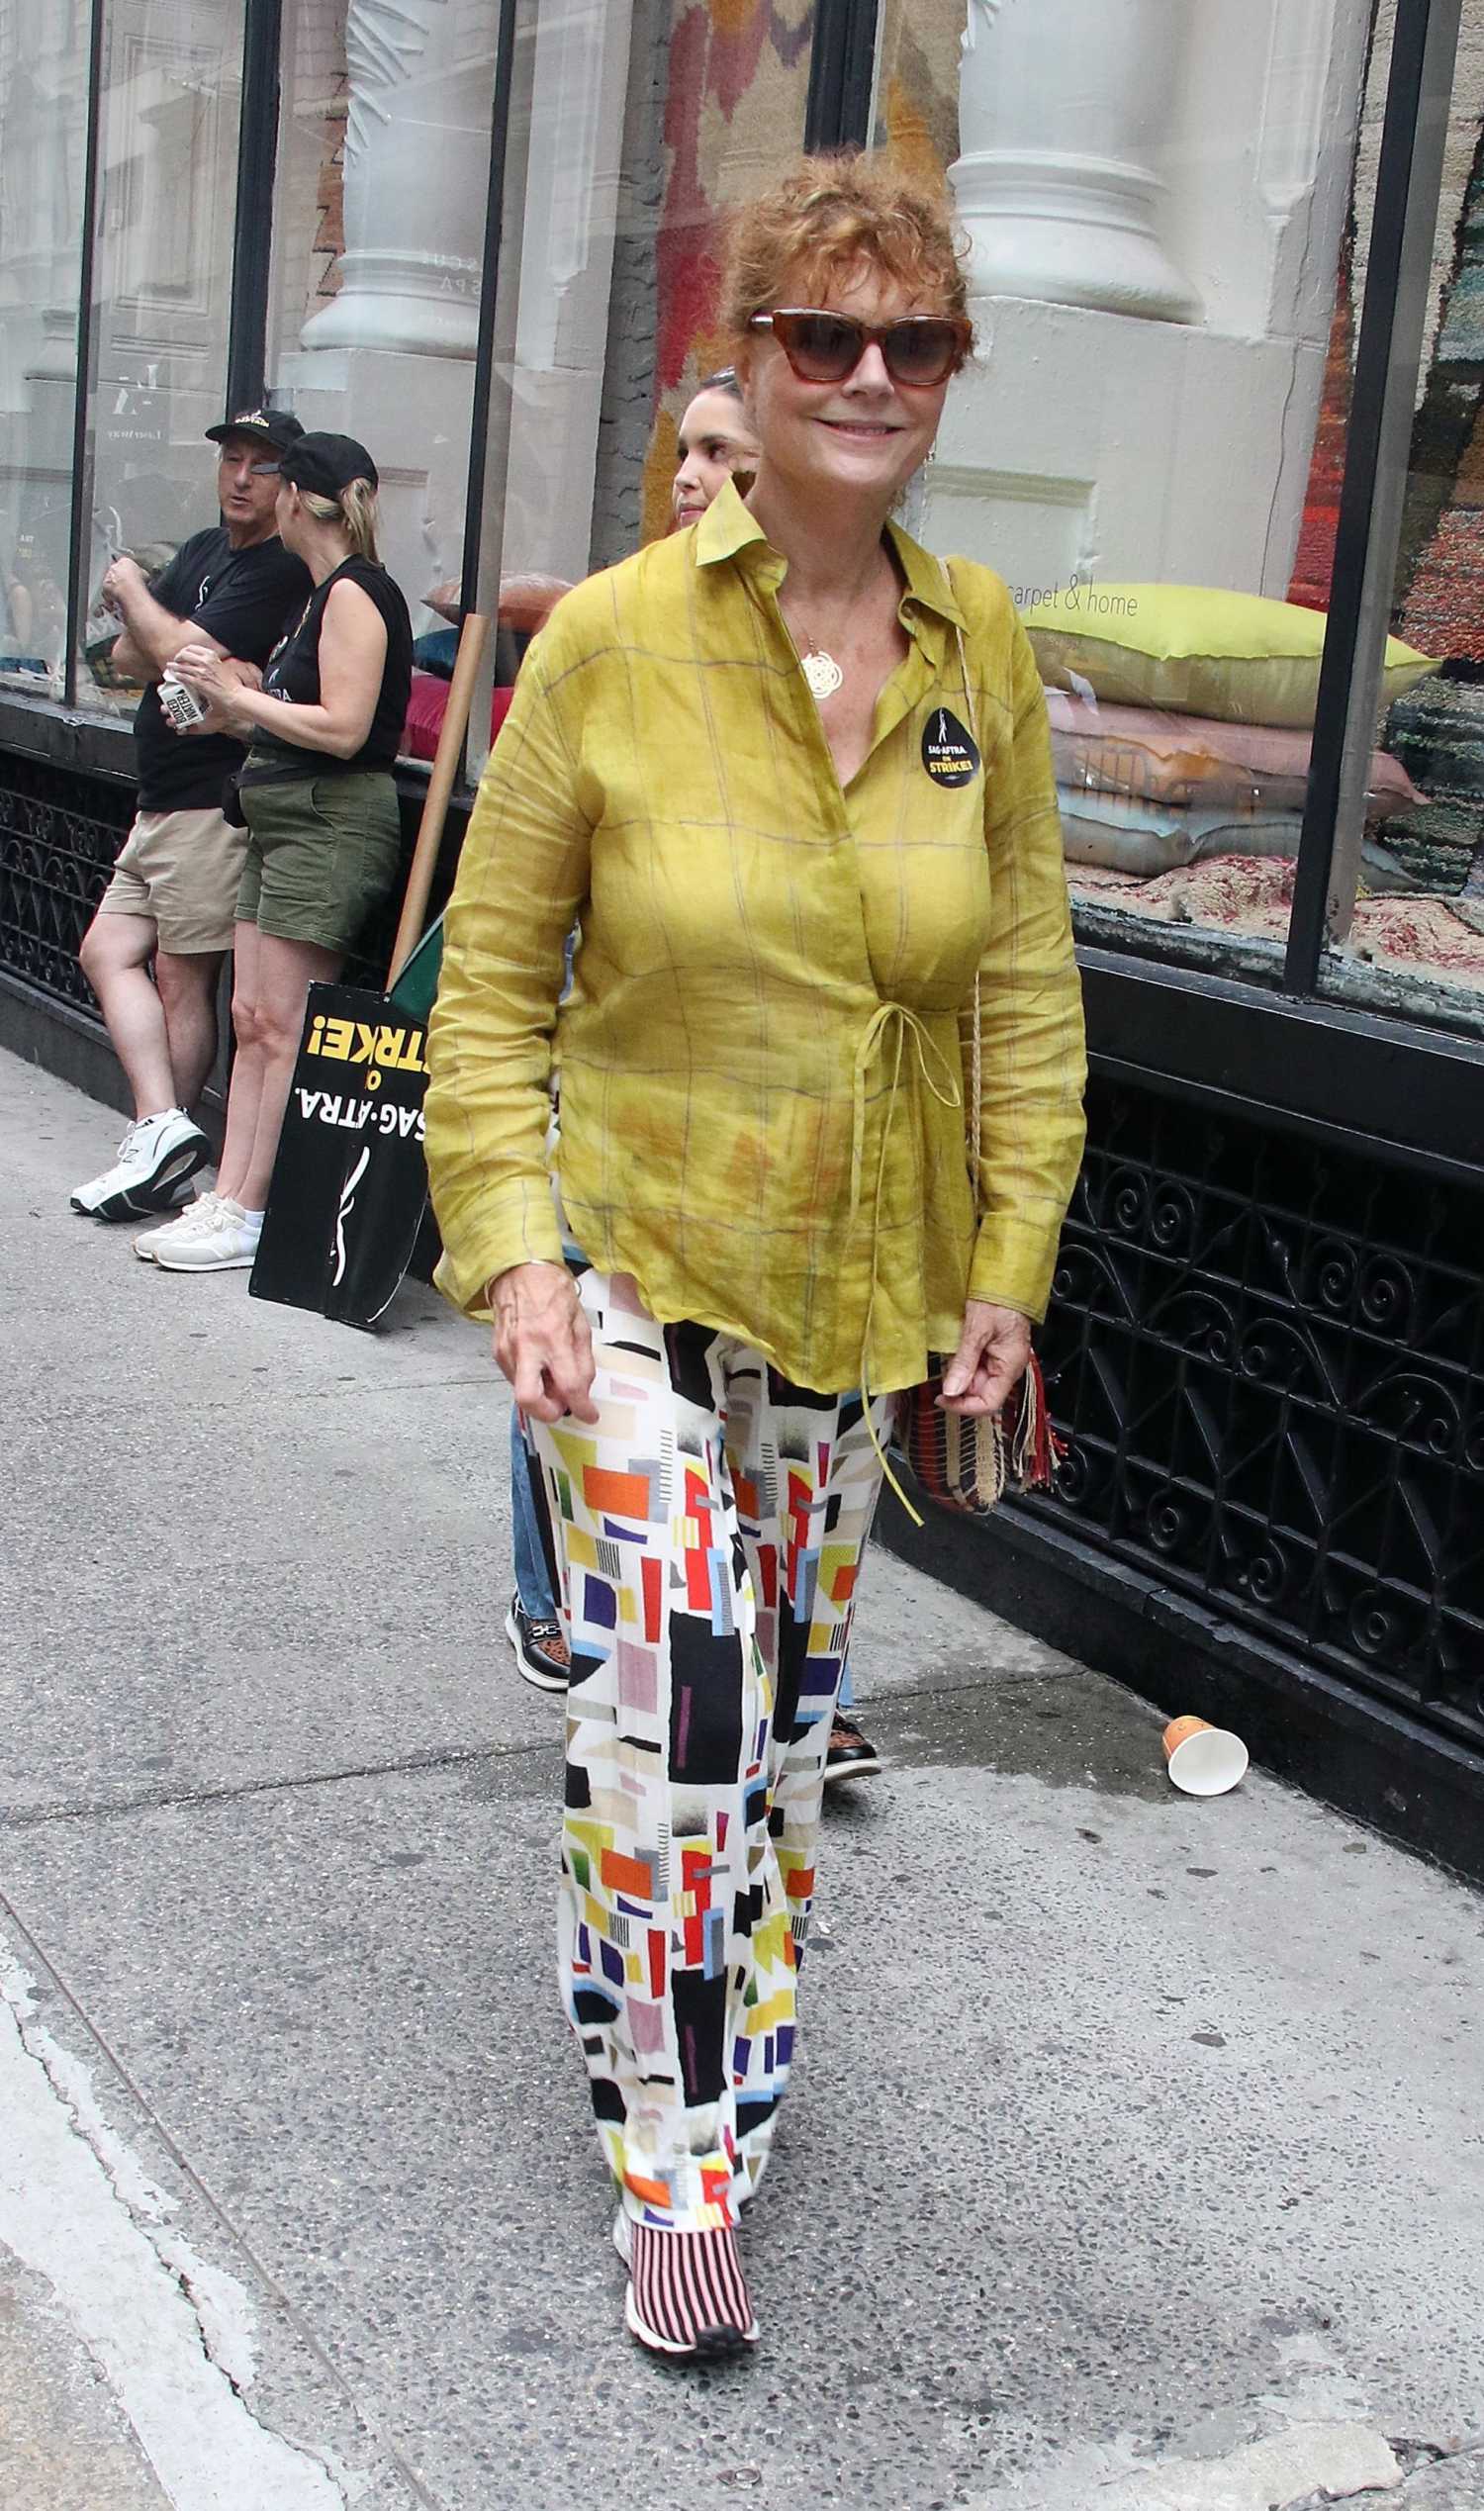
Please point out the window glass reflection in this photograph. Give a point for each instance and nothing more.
(1161, 213)
(638, 130)
(170, 102)
(43, 81)
(709, 105)
(379, 216)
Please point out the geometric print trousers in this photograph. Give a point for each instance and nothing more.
(709, 1530)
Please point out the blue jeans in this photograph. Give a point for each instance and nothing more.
(533, 1577)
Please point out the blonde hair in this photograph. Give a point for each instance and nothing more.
(357, 512)
(826, 218)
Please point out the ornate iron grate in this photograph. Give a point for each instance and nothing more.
(59, 832)
(1268, 1357)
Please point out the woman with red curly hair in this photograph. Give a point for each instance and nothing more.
(791, 777)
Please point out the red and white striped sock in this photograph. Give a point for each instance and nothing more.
(690, 2289)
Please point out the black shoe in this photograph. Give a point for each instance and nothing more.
(541, 1648)
(850, 1756)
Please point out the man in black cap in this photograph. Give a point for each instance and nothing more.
(174, 887)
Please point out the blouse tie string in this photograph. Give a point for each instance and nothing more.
(893, 1032)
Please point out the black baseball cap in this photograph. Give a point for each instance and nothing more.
(326, 464)
(266, 427)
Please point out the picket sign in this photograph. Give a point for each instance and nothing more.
(349, 1184)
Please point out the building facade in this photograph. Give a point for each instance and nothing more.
(1223, 440)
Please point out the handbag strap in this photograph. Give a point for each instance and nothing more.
(1023, 1449)
(973, 1122)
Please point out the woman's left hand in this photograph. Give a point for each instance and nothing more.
(212, 676)
(993, 1355)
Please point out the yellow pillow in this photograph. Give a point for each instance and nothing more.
(1196, 650)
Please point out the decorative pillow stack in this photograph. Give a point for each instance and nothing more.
(1182, 721)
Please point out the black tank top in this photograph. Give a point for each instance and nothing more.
(293, 673)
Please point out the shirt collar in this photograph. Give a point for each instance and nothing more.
(928, 582)
(727, 528)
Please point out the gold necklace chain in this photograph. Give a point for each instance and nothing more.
(819, 667)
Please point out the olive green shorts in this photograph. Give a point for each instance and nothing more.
(322, 853)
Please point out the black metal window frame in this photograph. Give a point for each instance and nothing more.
(1408, 186)
(841, 74)
(842, 68)
(82, 451)
(252, 239)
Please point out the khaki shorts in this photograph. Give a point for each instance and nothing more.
(322, 853)
(180, 868)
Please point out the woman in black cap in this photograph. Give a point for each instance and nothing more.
(320, 806)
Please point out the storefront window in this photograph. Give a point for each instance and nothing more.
(170, 100)
(379, 219)
(631, 133)
(1168, 214)
(1162, 214)
(646, 126)
(43, 86)
(1406, 920)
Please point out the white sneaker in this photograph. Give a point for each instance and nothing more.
(194, 1217)
(221, 1239)
(157, 1156)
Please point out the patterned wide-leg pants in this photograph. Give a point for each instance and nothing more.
(711, 1527)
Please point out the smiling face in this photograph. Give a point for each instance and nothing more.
(715, 441)
(867, 433)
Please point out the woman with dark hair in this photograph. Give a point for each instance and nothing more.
(793, 777)
(323, 829)
(713, 444)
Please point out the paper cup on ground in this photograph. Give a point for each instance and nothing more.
(1202, 1759)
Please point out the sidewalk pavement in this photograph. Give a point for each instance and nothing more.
(1134, 2158)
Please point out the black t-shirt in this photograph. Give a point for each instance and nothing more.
(242, 598)
(294, 675)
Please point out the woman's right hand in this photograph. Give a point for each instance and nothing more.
(543, 1342)
(214, 679)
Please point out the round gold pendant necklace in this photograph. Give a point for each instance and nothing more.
(819, 668)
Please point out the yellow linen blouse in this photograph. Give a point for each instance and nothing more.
(762, 1058)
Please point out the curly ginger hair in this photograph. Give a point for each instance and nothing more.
(823, 222)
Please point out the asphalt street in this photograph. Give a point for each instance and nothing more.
(1133, 2162)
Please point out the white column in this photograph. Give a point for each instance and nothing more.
(1062, 106)
(417, 145)
(1086, 440)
